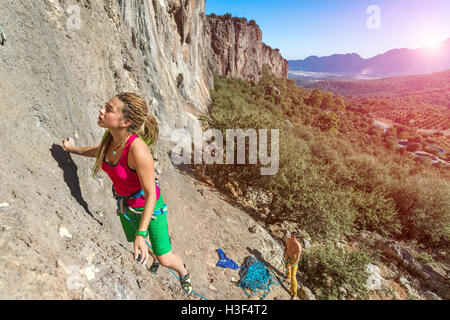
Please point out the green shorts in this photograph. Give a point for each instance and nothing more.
(158, 231)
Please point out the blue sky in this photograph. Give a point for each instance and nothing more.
(300, 28)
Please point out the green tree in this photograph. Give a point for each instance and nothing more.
(315, 99)
(327, 101)
(339, 104)
(424, 209)
(328, 121)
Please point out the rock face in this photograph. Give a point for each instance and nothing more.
(61, 63)
(169, 38)
(238, 50)
(179, 48)
(375, 280)
(306, 294)
(428, 276)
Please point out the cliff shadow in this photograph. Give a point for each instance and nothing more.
(70, 176)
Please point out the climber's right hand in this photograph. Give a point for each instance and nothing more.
(141, 247)
(68, 144)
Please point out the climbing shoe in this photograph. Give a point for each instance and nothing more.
(186, 283)
(154, 267)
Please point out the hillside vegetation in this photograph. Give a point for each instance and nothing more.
(418, 105)
(338, 173)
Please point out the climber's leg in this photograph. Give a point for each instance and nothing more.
(293, 275)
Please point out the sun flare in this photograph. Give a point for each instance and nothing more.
(433, 43)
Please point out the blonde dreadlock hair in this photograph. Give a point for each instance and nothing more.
(142, 123)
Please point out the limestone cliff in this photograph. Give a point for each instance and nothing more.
(178, 48)
(170, 41)
(237, 49)
(59, 235)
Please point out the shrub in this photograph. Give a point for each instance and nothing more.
(303, 133)
(376, 212)
(270, 99)
(315, 99)
(326, 268)
(303, 195)
(328, 121)
(424, 208)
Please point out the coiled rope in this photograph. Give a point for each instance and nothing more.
(259, 280)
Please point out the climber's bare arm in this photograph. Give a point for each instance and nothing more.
(298, 253)
(85, 151)
(88, 151)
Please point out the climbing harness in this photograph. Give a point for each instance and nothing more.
(258, 279)
(123, 209)
(122, 206)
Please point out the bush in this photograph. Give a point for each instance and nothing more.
(328, 121)
(269, 99)
(326, 268)
(376, 212)
(303, 195)
(303, 133)
(424, 209)
(315, 99)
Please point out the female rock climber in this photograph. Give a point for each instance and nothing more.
(125, 156)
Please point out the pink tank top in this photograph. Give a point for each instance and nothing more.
(126, 180)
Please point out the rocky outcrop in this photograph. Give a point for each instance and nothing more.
(305, 294)
(169, 38)
(429, 276)
(238, 50)
(179, 48)
(375, 280)
(59, 235)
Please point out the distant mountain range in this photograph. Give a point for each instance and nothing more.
(396, 62)
(434, 86)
